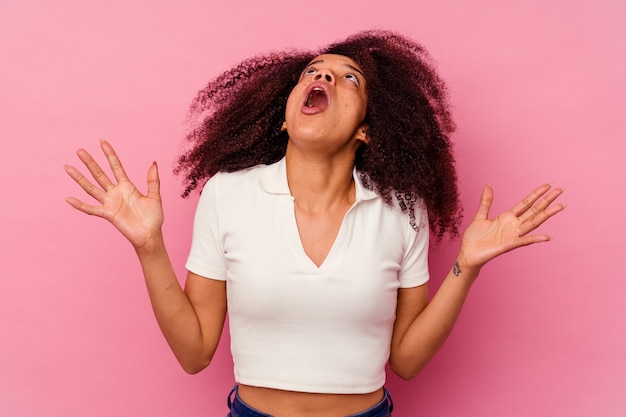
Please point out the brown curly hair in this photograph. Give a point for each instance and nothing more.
(409, 154)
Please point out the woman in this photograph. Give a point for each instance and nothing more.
(326, 171)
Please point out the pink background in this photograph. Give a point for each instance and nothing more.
(539, 95)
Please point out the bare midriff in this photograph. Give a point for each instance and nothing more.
(281, 403)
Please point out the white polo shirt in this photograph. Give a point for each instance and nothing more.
(295, 326)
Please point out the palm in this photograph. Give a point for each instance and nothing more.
(132, 213)
(138, 217)
(487, 238)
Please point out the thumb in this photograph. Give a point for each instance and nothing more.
(154, 184)
(486, 199)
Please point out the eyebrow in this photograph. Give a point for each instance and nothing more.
(352, 67)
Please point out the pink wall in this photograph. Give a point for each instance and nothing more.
(539, 93)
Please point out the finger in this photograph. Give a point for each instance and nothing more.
(541, 204)
(114, 161)
(533, 222)
(486, 199)
(84, 207)
(530, 199)
(96, 172)
(154, 184)
(531, 240)
(84, 183)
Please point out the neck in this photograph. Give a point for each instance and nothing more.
(319, 183)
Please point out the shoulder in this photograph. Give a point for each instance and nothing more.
(244, 187)
(405, 210)
(236, 177)
(236, 181)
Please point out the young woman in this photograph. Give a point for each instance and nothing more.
(324, 174)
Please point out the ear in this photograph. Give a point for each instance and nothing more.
(361, 134)
(283, 128)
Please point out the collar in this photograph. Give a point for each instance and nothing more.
(273, 180)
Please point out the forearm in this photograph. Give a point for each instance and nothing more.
(428, 331)
(421, 329)
(174, 312)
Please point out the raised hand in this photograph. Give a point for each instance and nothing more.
(138, 217)
(485, 238)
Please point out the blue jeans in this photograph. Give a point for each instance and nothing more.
(240, 409)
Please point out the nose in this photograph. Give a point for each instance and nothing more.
(324, 75)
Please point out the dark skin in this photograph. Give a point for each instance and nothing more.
(320, 179)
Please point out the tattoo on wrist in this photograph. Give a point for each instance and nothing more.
(456, 270)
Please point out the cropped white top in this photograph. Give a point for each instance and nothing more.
(295, 326)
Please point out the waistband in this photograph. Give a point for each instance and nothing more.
(238, 408)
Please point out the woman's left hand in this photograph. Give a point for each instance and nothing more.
(484, 239)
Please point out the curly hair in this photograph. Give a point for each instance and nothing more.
(409, 152)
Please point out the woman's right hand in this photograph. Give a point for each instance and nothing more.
(138, 217)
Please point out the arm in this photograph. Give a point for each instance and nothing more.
(190, 320)
(422, 327)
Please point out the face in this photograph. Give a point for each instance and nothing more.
(328, 105)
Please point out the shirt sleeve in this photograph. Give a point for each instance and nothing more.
(414, 269)
(206, 256)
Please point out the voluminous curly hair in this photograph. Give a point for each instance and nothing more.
(409, 154)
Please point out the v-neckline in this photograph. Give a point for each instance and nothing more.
(298, 243)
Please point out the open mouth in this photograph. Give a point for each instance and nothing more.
(317, 98)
